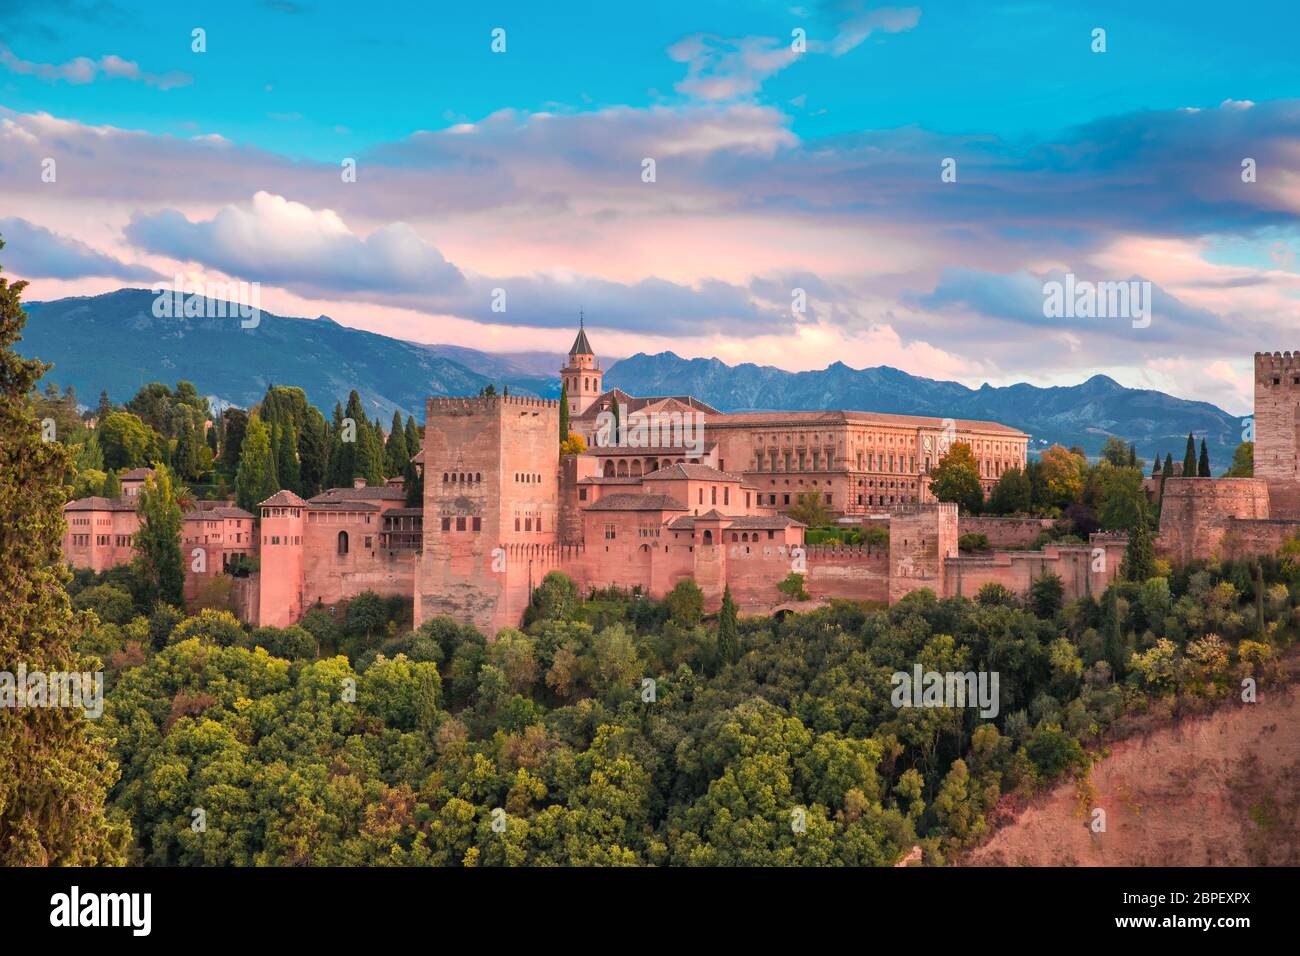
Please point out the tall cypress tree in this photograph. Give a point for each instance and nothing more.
(286, 457)
(564, 413)
(1189, 459)
(395, 452)
(414, 442)
(112, 485)
(158, 542)
(1203, 465)
(256, 480)
(313, 453)
(1140, 558)
(728, 629)
(53, 777)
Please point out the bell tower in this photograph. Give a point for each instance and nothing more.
(582, 376)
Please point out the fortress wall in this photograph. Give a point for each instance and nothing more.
(921, 538)
(1244, 537)
(1277, 415)
(1004, 532)
(1196, 511)
(1083, 569)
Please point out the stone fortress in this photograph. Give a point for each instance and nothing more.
(671, 489)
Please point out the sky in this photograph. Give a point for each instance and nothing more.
(914, 176)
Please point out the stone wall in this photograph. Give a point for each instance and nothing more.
(1277, 415)
(921, 538)
(1083, 569)
(1004, 532)
(1196, 511)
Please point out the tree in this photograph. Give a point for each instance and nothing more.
(564, 414)
(186, 457)
(1243, 461)
(686, 603)
(127, 442)
(1203, 465)
(234, 422)
(616, 438)
(158, 542)
(956, 478)
(1189, 458)
(1121, 496)
(105, 407)
(396, 454)
(728, 630)
(1140, 557)
(1063, 476)
(256, 480)
(112, 485)
(1115, 451)
(54, 777)
(286, 457)
(1045, 595)
(575, 444)
(1165, 474)
(810, 509)
(313, 453)
(1012, 494)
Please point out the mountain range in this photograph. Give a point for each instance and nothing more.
(114, 342)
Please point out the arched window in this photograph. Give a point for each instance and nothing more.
(708, 536)
(343, 542)
(609, 468)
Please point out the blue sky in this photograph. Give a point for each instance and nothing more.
(816, 171)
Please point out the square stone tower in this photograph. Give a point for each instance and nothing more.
(491, 490)
(922, 537)
(1277, 429)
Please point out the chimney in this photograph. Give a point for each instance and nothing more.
(358, 482)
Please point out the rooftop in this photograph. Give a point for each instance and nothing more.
(631, 502)
(690, 470)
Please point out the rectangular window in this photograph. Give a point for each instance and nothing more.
(460, 524)
(446, 524)
(478, 524)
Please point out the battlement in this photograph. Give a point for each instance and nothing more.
(1276, 361)
(476, 404)
(937, 508)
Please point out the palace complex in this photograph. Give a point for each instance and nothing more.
(670, 489)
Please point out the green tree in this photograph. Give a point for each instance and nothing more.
(956, 478)
(185, 459)
(313, 453)
(810, 509)
(686, 603)
(1122, 495)
(1243, 461)
(728, 629)
(256, 480)
(1115, 451)
(234, 422)
(1045, 595)
(158, 542)
(112, 485)
(395, 452)
(1189, 458)
(54, 777)
(1203, 465)
(1012, 494)
(286, 457)
(564, 413)
(1140, 556)
(127, 441)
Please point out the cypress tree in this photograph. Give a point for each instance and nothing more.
(286, 458)
(395, 451)
(112, 485)
(1139, 559)
(564, 413)
(1189, 459)
(618, 423)
(313, 453)
(413, 440)
(185, 459)
(1203, 466)
(256, 479)
(1155, 468)
(158, 542)
(53, 777)
(728, 629)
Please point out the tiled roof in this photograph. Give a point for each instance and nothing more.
(376, 493)
(404, 513)
(630, 403)
(580, 345)
(740, 522)
(223, 511)
(97, 503)
(282, 499)
(340, 504)
(602, 480)
(780, 419)
(627, 502)
(691, 470)
(137, 474)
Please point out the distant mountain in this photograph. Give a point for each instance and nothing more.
(1083, 415)
(114, 342)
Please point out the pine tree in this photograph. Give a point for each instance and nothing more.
(564, 413)
(395, 452)
(112, 485)
(256, 480)
(105, 407)
(728, 630)
(1203, 465)
(185, 459)
(1155, 468)
(414, 441)
(1189, 459)
(53, 777)
(158, 542)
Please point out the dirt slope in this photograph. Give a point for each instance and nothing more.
(1223, 790)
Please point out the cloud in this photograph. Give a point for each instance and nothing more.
(857, 23)
(719, 68)
(85, 70)
(32, 251)
(278, 242)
